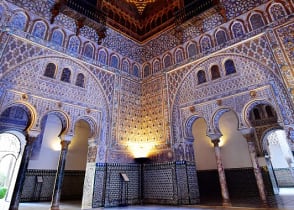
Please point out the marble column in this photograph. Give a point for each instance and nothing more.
(60, 173)
(215, 139)
(249, 136)
(89, 180)
(30, 138)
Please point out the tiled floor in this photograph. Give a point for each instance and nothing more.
(285, 202)
(76, 206)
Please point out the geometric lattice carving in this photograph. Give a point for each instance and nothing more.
(240, 7)
(189, 94)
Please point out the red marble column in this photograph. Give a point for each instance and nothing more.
(215, 139)
(30, 138)
(59, 175)
(249, 136)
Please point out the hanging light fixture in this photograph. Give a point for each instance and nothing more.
(141, 4)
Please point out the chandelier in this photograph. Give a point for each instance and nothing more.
(140, 4)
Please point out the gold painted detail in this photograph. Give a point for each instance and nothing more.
(141, 4)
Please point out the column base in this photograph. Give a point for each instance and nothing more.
(54, 208)
(227, 203)
(264, 204)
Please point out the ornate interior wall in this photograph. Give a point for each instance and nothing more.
(148, 95)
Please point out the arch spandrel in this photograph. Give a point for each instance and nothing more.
(93, 125)
(65, 119)
(188, 135)
(29, 110)
(233, 93)
(48, 94)
(218, 114)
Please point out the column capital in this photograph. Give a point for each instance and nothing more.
(31, 136)
(248, 133)
(214, 136)
(64, 144)
(65, 137)
(215, 142)
(92, 142)
(33, 133)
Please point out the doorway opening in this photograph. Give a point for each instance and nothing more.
(280, 160)
(10, 158)
(273, 144)
(76, 161)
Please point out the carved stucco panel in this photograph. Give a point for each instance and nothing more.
(250, 75)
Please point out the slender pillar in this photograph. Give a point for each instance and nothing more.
(59, 175)
(89, 180)
(221, 173)
(30, 138)
(249, 135)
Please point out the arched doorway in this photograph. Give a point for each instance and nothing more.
(76, 163)
(10, 158)
(272, 143)
(209, 187)
(279, 159)
(235, 156)
(13, 122)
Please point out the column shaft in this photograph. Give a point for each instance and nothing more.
(221, 174)
(59, 176)
(16, 196)
(257, 171)
(249, 135)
